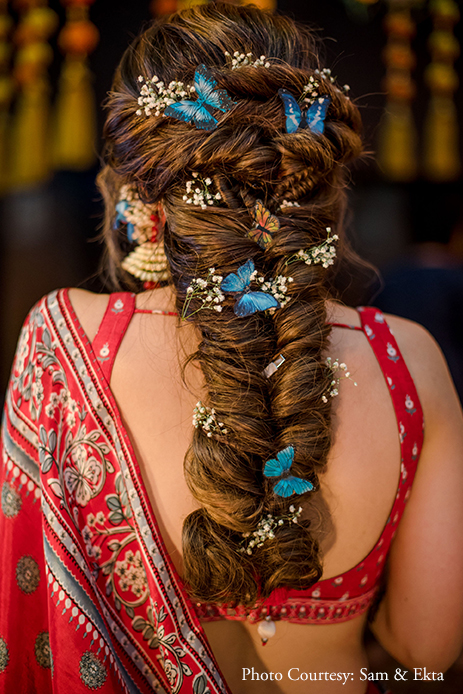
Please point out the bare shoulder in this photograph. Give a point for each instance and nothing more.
(426, 558)
(422, 356)
(426, 364)
(89, 308)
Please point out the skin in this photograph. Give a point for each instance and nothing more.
(420, 621)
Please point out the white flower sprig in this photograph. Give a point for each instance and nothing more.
(198, 193)
(205, 418)
(334, 367)
(326, 75)
(266, 529)
(310, 91)
(289, 203)
(246, 60)
(323, 254)
(208, 290)
(135, 212)
(155, 96)
(276, 287)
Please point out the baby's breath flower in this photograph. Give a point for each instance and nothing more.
(310, 91)
(266, 529)
(207, 290)
(289, 203)
(155, 96)
(324, 254)
(326, 75)
(205, 418)
(277, 287)
(200, 195)
(334, 367)
(246, 60)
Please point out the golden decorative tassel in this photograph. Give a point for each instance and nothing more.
(6, 90)
(442, 151)
(147, 262)
(397, 143)
(397, 135)
(75, 125)
(75, 121)
(4, 177)
(30, 162)
(441, 160)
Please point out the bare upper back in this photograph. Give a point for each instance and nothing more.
(359, 485)
(364, 464)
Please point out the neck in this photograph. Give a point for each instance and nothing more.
(162, 298)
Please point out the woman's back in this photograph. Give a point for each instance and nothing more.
(360, 484)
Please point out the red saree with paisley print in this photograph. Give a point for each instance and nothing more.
(89, 599)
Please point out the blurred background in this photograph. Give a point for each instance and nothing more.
(402, 61)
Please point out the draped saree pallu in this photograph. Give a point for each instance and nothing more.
(88, 596)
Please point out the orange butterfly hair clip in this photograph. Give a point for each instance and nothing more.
(265, 225)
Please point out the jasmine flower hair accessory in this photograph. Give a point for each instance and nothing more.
(135, 214)
(323, 254)
(205, 418)
(336, 366)
(266, 529)
(246, 60)
(147, 262)
(198, 192)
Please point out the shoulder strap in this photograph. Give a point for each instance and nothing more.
(399, 381)
(116, 319)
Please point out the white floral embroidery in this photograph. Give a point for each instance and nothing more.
(82, 480)
(23, 350)
(131, 573)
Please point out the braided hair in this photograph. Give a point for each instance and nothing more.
(249, 156)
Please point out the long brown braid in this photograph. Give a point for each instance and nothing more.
(249, 156)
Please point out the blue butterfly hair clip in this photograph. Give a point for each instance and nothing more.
(200, 112)
(309, 117)
(280, 467)
(247, 302)
(271, 294)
